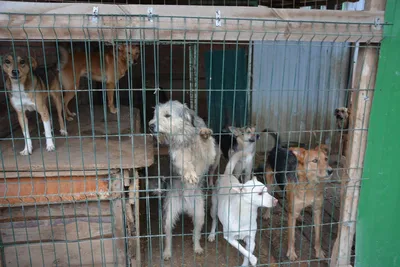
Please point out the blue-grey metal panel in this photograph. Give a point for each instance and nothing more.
(297, 86)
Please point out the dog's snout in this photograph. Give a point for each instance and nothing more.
(15, 73)
(330, 171)
(152, 127)
(336, 111)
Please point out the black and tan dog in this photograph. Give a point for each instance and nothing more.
(101, 68)
(28, 92)
(312, 168)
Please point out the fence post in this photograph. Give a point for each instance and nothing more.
(378, 235)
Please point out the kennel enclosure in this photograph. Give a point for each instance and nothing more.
(110, 149)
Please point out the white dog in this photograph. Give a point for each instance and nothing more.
(192, 151)
(236, 205)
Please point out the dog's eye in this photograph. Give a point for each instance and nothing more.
(22, 62)
(326, 159)
(315, 161)
(260, 194)
(7, 61)
(167, 115)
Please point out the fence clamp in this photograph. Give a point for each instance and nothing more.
(377, 24)
(218, 22)
(150, 14)
(95, 13)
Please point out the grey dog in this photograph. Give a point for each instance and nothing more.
(191, 155)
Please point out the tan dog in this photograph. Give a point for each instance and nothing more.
(312, 168)
(28, 92)
(98, 71)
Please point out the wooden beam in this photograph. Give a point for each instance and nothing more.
(361, 102)
(121, 22)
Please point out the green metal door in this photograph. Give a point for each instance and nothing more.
(227, 83)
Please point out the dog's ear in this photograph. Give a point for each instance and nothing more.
(234, 130)
(300, 153)
(237, 189)
(187, 115)
(33, 63)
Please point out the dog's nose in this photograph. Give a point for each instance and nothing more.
(330, 171)
(15, 73)
(275, 201)
(152, 127)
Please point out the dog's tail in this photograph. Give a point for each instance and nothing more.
(234, 160)
(274, 135)
(64, 56)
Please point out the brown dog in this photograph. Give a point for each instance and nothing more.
(342, 116)
(29, 93)
(312, 168)
(98, 71)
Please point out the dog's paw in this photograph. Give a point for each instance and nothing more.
(167, 254)
(319, 253)
(267, 214)
(205, 133)
(291, 254)
(27, 151)
(198, 250)
(191, 177)
(50, 147)
(253, 260)
(211, 238)
(69, 118)
(113, 110)
(63, 132)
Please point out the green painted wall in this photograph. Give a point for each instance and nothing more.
(378, 223)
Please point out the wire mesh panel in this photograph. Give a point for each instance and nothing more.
(173, 140)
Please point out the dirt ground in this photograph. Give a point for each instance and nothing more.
(271, 240)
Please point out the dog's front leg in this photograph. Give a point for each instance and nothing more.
(110, 97)
(184, 167)
(293, 213)
(253, 259)
(250, 245)
(44, 113)
(317, 225)
(23, 122)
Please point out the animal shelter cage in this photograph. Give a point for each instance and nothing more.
(101, 197)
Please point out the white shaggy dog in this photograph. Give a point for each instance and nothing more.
(192, 151)
(236, 205)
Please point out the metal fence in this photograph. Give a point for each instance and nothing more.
(122, 178)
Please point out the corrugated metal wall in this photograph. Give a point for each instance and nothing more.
(297, 86)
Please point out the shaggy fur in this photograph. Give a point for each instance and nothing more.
(192, 151)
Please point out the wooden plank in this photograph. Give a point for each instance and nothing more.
(53, 190)
(71, 229)
(84, 253)
(175, 23)
(366, 69)
(96, 142)
(56, 211)
(44, 173)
